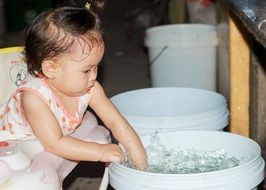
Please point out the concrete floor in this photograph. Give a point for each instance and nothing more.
(125, 67)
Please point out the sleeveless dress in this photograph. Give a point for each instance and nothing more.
(14, 127)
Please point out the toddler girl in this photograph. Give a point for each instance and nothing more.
(63, 48)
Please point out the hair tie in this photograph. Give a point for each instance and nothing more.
(87, 5)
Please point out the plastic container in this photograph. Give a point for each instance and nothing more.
(182, 55)
(172, 108)
(246, 176)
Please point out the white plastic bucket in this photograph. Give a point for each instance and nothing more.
(246, 176)
(172, 108)
(182, 55)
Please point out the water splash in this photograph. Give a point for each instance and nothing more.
(186, 161)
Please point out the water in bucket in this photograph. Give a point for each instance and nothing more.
(166, 160)
(245, 175)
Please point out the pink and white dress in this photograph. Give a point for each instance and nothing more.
(14, 126)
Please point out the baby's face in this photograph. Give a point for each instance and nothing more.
(77, 70)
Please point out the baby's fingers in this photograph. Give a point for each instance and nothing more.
(112, 153)
(118, 157)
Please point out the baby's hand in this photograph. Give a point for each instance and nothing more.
(139, 160)
(111, 153)
(137, 155)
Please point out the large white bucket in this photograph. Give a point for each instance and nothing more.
(182, 55)
(246, 176)
(172, 108)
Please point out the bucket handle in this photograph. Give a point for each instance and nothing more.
(159, 54)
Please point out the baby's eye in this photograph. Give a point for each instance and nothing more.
(86, 71)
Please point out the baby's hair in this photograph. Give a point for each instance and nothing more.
(56, 31)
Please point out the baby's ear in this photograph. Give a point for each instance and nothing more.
(49, 68)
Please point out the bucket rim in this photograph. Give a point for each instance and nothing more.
(219, 99)
(257, 177)
(184, 36)
(181, 26)
(168, 88)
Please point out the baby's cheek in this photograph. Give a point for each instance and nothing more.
(81, 82)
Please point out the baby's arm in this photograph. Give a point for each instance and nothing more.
(46, 128)
(120, 128)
